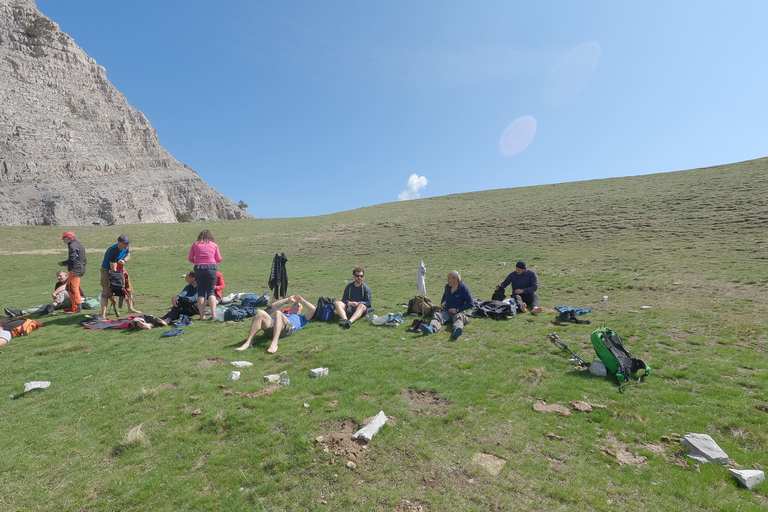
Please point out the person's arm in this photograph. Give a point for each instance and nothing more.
(468, 301)
(216, 254)
(366, 296)
(59, 289)
(505, 283)
(310, 307)
(188, 294)
(219, 284)
(345, 296)
(191, 256)
(533, 283)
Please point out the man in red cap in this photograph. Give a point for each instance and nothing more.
(75, 264)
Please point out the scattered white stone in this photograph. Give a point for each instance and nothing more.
(703, 448)
(749, 478)
(372, 428)
(318, 372)
(283, 373)
(306, 405)
(285, 382)
(234, 375)
(502, 263)
(36, 384)
(605, 298)
(646, 307)
(598, 368)
(351, 465)
(241, 364)
(271, 378)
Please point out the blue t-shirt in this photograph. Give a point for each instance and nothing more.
(298, 321)
(113, 254)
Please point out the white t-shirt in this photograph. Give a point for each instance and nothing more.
(6, 335)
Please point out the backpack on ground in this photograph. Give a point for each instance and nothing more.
(324, 310)
(22, 326)
(499, 294)
(570, 316)
(617, 359)
(421, 305)
(255, 301)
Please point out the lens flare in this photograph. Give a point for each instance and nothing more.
(518, 135)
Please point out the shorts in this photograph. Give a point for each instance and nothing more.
(106, 291)
(287, 330)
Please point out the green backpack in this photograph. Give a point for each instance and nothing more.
(617, 359)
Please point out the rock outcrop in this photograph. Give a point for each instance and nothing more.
(72, 150)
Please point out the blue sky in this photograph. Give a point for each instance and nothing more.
(304, 108)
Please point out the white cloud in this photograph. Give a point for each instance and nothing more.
(415, 183)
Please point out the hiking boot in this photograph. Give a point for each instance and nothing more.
(346, 324)
(458, 331)
(72, 311)
(12, 312)
(427, 329)
(536, 310)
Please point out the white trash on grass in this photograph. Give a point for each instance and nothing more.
(372, 428)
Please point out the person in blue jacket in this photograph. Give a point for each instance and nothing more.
(185, 303)
(524, 283)
(456, 300)
(355, 301)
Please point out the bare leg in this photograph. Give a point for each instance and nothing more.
(129, 301)
(104, 302)
(340, 309)
(141, 324)
(360, 311)
(162, 321)
(277, 328)
(212, 303)
(201, 307)
(260, 321)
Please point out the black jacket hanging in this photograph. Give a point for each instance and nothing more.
(278, 276)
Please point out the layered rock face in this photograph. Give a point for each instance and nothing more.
(72, 150)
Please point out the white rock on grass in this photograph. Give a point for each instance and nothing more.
(748, 477)
(704, 449)
(36, 384)
(372, 428)
(241, 364)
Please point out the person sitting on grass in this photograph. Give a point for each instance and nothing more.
(355, 301)
(524, 285)
(456, 299)
(60, 300)
(185, 303)
(279, 325)
(5, 336)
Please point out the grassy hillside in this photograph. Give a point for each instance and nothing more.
(117, 430)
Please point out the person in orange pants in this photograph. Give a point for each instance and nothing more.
(75, 264)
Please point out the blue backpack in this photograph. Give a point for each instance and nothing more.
(325, 309)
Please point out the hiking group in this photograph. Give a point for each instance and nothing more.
(205, 285)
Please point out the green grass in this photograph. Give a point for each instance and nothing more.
(690, 244)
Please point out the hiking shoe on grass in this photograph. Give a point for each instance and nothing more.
(458, 331)
(346, 324)
(12, 312)
(427, 329)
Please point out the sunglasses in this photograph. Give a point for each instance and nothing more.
(358, 275)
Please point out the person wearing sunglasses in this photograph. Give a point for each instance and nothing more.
(356, 300)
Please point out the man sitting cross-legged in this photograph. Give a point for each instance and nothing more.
(185, 303)
(355, 301)
(279, 325)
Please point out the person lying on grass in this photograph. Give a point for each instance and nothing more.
(279, 325)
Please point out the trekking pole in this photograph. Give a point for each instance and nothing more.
(554, 338)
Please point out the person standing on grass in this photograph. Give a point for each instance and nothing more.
(456, 299)
(355, 301)
(204, 254)
(279, 325)
(114, 260)
(75, 264)
(524, 283)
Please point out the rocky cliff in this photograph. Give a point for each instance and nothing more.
(72, 150)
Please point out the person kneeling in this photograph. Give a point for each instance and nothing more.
(279, 325)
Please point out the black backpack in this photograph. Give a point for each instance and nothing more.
(324, 310)
(117, 283)
(570, 316)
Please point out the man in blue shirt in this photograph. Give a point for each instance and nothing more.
(355, 301)
(456, 299)
(279, 325)
(524, 283)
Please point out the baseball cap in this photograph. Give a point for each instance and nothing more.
(68, 234)
(123, 239)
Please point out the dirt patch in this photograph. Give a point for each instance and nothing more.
(411, 506)
(426, 402)
(256, 394)
(542, 406)
(169, 385)
(760, 407)
(209, 362)
(339, 441)
(489, 462)
(579, 406)
(620, 451)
